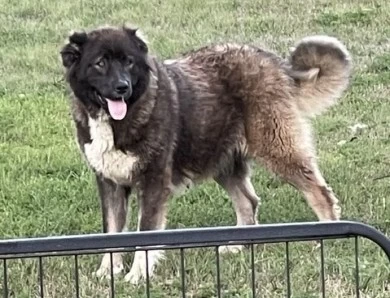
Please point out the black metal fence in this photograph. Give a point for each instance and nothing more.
(181, 240)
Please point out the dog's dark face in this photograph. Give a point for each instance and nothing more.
(107, 68)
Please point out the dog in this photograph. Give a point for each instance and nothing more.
(158, 126)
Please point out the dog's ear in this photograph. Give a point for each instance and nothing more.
(137, 36)
(71, 52)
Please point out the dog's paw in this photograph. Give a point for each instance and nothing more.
(137, 274)
(337, 211)
(105, 266)
(106, 272)
(316, 245)
(230, 249)
(138, 270)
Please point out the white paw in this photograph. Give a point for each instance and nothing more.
(138, 270)
(337, 211)
(105, 266)
(316, 245)
(230, 249)
(136, 274)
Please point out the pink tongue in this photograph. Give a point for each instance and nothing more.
(117, 108)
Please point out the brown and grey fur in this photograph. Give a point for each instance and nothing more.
(207, 115)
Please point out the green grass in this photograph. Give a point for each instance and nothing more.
(46, 188)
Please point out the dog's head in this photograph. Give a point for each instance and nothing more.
(107, 68)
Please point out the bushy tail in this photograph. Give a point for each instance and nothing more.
(321, 66)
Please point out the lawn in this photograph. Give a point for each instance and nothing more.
(46, 188)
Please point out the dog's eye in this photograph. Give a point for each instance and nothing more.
(100, 63)
(129, 61)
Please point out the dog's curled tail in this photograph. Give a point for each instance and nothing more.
(321, 67)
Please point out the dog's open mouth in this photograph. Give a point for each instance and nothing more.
(116, 107)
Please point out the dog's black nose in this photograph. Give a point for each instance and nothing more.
(122, 87)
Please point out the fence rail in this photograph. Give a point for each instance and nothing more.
(192, 238)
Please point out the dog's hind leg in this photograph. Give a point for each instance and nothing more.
(303, 174)
(114, 199)
(244, 198)
(286, 148)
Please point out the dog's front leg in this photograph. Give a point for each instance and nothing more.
(152, 199)
(114, 199)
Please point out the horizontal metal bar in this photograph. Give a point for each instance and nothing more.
(253, 234)
(131, 249)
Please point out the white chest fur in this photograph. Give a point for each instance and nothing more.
(102, 155)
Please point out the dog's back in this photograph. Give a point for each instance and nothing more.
(245, 102)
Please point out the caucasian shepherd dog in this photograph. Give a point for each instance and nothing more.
(155, 126)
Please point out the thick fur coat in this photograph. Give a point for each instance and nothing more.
(158, 126)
